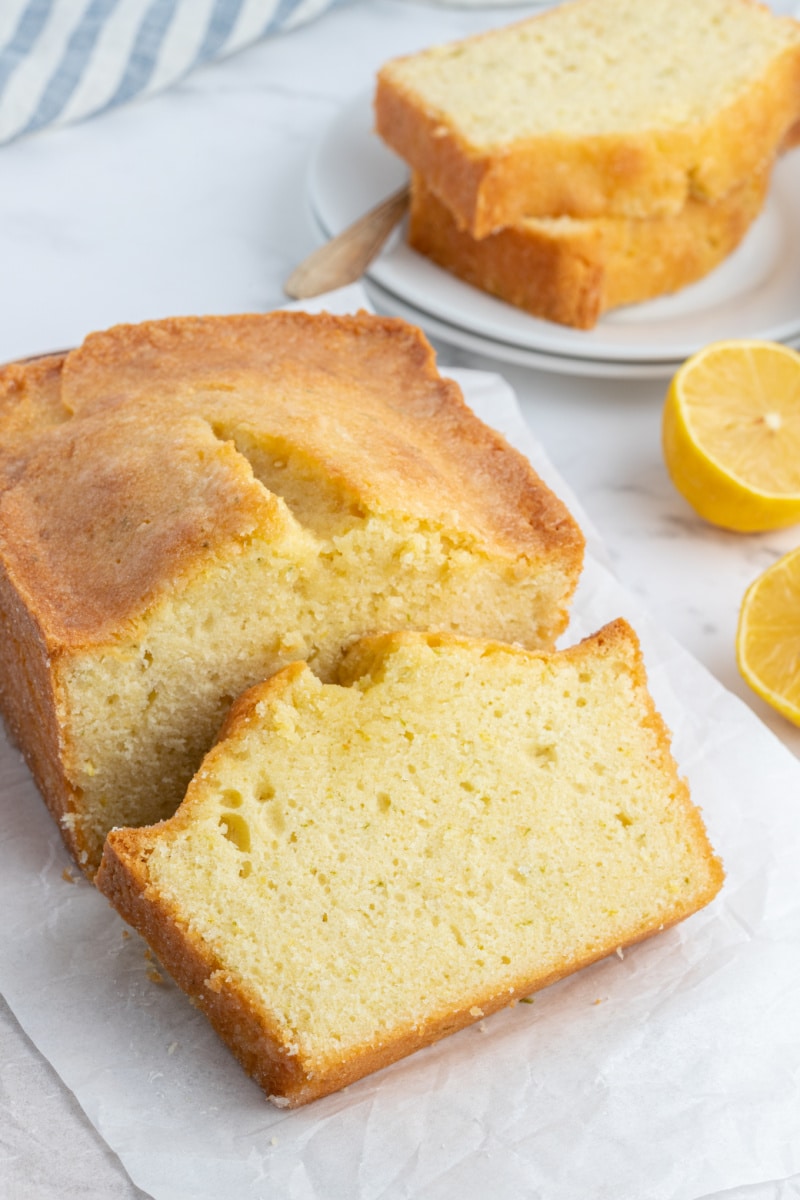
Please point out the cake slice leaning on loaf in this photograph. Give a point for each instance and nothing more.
(360, 868)
(572, 271)
(596, 108)
(188, 505)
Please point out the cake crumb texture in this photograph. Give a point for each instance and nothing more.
(188, 505)
(361, 867)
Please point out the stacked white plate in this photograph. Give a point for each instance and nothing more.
(755, 293)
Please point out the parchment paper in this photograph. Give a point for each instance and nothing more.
(672, 1073)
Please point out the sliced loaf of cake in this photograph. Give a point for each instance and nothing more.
(188, 505)
(596, 108)
(361, 867)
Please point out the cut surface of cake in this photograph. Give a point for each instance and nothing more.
(188, 505)
(596, 108)
(361, 867)
(573, 270)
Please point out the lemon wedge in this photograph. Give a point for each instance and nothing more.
(731, 434)
(768, 636)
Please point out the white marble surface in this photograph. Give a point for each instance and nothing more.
(193, 202)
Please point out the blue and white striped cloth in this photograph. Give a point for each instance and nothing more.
(62, 60)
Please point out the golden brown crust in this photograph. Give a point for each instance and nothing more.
(30, 704)
(30, 400)
(635, 174)
(543, 275)
(791, 138)
(574, 271)
(106, 509)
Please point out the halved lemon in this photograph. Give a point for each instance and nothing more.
(731, 434)
(768, 637)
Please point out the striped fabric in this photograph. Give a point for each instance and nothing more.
(62, 60)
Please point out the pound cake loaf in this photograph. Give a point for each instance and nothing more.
(188, 505)
(573, 270)
(596, 108)
(361, 867)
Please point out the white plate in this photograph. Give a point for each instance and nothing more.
(754, 293)
(504, 352)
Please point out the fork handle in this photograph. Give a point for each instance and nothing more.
(345, 258)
